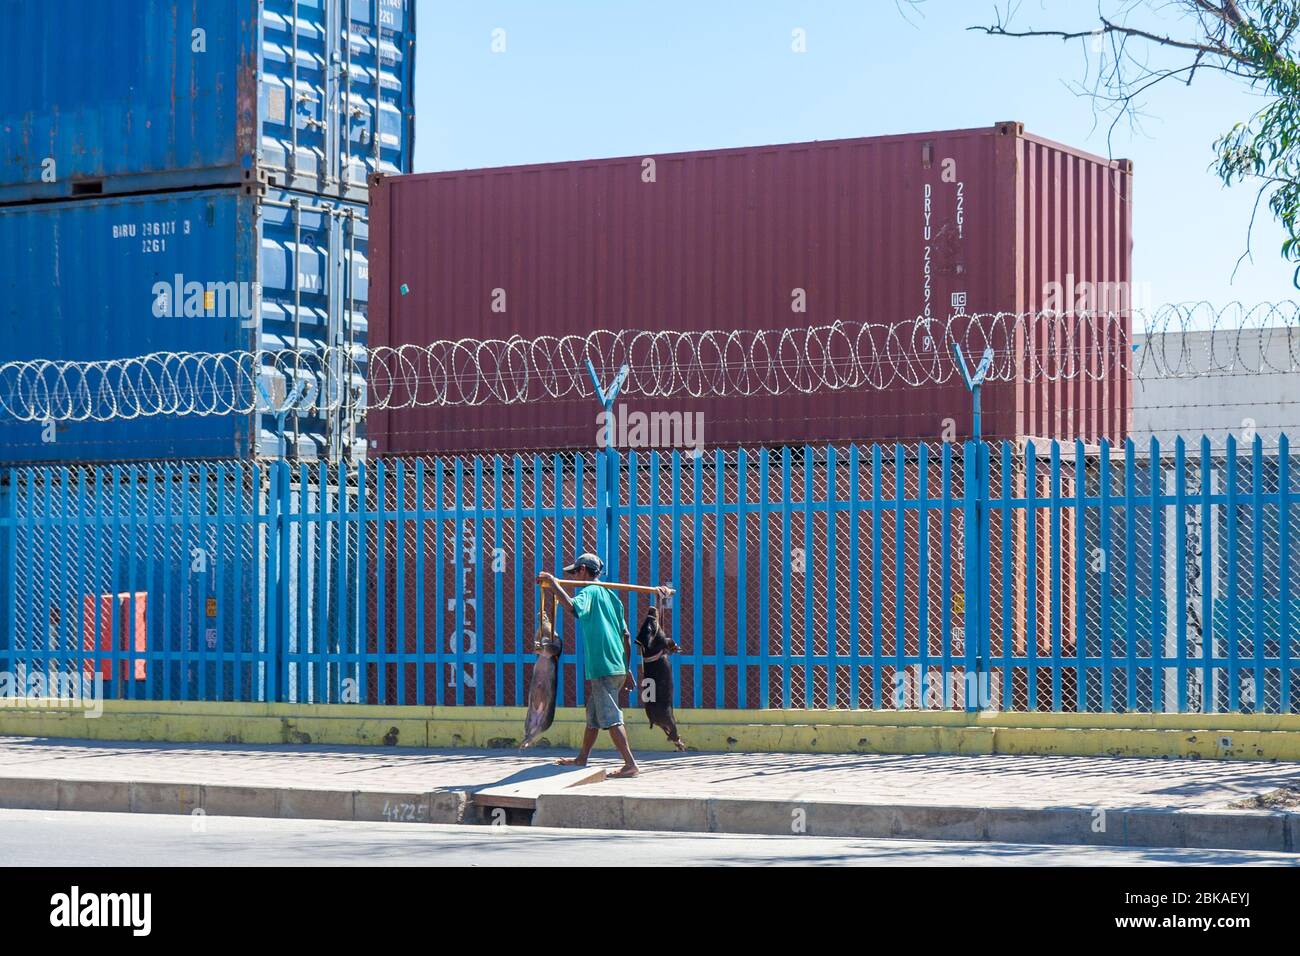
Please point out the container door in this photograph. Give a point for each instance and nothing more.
(294, 245)
(375, 90)
(294, 98)
(356, 238)
(336, 93)
(313, 284)
(349, 281)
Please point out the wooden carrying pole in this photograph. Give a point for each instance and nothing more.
(615, 586)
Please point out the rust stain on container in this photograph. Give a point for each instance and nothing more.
(884, 229)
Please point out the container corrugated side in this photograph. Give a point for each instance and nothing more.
(891, 230)
(151, 95)
(1075, 219)
(115, 277)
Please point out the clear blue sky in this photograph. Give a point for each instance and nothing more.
(589, 78)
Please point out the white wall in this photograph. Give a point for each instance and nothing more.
(1226, 401)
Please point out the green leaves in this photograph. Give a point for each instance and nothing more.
(1267, 146)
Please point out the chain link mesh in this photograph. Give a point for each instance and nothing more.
(806, 578)
(112, 563)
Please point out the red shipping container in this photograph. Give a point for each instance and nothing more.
(882, 230)
(131, 630)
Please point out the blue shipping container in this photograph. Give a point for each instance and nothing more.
(118, 96)
(215, 270)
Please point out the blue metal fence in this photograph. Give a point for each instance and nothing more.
(1020, 577)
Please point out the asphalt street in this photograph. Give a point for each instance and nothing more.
(49, 838)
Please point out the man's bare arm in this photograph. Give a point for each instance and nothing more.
(561, 595)
(630, 683)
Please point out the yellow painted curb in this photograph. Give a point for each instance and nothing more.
(1216, 736)
(1229, 744)
(856, 718)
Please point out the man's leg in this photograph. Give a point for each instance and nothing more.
(588, 737)
(588, 741)
(629, 768)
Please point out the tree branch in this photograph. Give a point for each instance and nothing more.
(1132, 32)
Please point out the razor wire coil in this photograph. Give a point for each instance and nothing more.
(1186, 340)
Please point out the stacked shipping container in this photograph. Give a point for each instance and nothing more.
(202, 148)
(111, 277)
(151, 95)
(186, 175)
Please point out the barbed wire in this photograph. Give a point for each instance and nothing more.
(1196, 339)
(1185, 340)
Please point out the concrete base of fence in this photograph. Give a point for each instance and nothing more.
(1213, 736)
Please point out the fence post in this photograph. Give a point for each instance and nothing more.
(984, 664)
(606, 480)
(277, 581)
(271, 595)
(977, 565)
(977, 599)
(9, 598)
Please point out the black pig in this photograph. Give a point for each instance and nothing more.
(657, 676)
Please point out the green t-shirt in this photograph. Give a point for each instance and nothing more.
(601, 618)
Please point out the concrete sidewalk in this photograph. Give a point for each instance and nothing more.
(1022, 799)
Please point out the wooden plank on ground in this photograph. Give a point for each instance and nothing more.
(520, 790)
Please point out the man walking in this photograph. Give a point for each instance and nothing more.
(607, 658)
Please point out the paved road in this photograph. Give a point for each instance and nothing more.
(43, 838)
